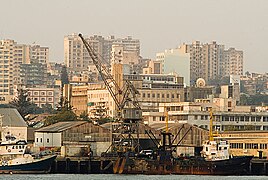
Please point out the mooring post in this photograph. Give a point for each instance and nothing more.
(78, 166)
(89, 166)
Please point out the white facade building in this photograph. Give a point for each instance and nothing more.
(175, 60)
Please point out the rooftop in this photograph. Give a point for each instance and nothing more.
(60, 126)
(12, 118)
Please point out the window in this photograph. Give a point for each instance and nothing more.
(263, 146)
(40, 139)
(236, 145)
(251, 146)
(47, 140)
(36, 139)
(158, 95)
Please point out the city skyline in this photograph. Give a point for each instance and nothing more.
(158, 25)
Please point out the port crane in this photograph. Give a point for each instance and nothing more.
(125, 98)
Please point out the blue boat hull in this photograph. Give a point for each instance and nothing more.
(38, 166)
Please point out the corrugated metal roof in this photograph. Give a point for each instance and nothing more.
(60, 126)
(162, 126)
(12, 118)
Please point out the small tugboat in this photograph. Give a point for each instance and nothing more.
(15, 159)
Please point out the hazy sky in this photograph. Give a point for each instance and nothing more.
(159, 25)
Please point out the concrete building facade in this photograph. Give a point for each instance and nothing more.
(12, 55)
(76, 57)
(41, 95)
(232, 63)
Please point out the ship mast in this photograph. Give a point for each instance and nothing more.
(211, 137)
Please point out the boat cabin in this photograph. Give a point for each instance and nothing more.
(13, 149)
(214, 151)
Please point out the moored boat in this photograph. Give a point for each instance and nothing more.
(213, 160)
(14, 158)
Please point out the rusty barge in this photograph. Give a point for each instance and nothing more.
(214, 160)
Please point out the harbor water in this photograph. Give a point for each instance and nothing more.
(122, 177)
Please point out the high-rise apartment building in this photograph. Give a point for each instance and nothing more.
(39, 53)
(22, 55)
(12, 56)
(6, 69)
(211, 61)
(33, 74)
(77, 59)
(233, 62)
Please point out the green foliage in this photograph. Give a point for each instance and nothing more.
(64, 76)
(47, 108)
(64, 113)
(258, 99)
(104, 120)
(84, 116)
(219, 81)
(23, 104)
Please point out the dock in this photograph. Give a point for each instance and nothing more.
(101, 165)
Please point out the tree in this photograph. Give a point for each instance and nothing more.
(84, 116)
(47, 108)
(23, 103)
(64, 113)
(64, 76)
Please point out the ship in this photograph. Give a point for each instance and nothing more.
(214, 159)
(15, 158)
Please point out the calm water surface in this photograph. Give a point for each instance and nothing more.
(123, 177)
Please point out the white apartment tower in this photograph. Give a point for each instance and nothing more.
(39, 53)
(77, 59)
(6, 70)
(233, 62)
(12, 55)
(211, 61)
